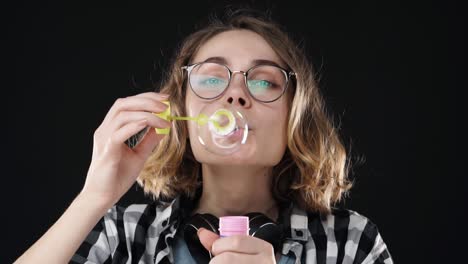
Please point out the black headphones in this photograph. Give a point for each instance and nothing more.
(260, 226)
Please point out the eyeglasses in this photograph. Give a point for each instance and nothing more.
(266, 83)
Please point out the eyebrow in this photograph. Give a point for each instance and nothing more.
(256, 62)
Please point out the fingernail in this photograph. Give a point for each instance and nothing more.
(199, 231)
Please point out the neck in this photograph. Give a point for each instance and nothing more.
(236, 190)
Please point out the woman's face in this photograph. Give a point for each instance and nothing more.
(266, 142)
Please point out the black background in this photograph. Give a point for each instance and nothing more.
(391, 75)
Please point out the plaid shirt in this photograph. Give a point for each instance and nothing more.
(144, 233)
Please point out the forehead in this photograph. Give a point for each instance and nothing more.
(239, 48)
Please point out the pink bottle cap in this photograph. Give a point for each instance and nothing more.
(234, 225)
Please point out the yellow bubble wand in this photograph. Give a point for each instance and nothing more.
(201, 119)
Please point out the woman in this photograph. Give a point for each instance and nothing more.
(292, 168)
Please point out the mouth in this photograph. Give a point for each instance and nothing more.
(238, 134)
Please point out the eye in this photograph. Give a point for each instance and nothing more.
(261, 86)
(260, 83)
(212, 81)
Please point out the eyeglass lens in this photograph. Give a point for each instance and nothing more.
(265, 83)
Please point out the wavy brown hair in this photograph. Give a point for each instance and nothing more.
(313, 172)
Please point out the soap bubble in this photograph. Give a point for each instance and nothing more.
(222, 130)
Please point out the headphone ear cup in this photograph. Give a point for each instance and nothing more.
(264, 228)
(199, 253)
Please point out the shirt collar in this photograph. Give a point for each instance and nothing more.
(294, 220)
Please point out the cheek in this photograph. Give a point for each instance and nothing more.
(197, 148)
(279, 123)
(274, 138)
(193, 108)
(280, 139)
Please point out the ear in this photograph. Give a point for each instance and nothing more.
(207, 238)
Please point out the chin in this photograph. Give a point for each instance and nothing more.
(244, 156)
(248, 154)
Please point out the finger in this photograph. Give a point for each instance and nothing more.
(241, 244)
(131, 116)
(155, 95)
(146, 146)
(235, 257)
(207, 238)
(136, 103)
(124, 133)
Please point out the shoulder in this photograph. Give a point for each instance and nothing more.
(348, 234)
(346, 218)
(339, 219)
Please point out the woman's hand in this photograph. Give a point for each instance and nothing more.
(237, 249)
(115, 166)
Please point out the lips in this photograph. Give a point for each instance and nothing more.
(237, 135)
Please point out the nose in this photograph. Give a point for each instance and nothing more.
(237, 93)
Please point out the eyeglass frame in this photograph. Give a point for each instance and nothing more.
(286, 73)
